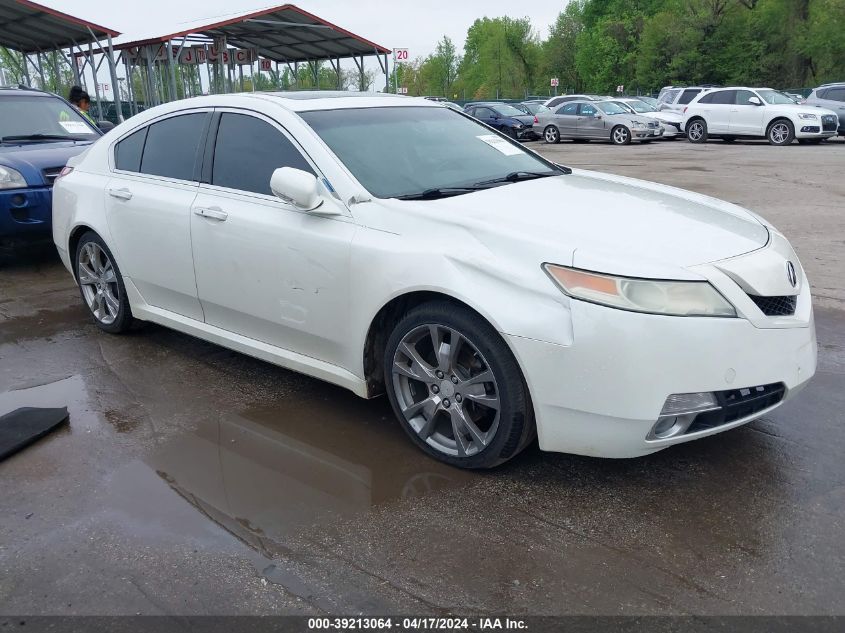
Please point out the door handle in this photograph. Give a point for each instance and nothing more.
(122, 194)
(212, 213)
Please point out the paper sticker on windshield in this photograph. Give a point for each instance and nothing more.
(497, 142)
(75, 127)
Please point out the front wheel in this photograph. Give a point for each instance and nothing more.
(781, 133)
(620, 135)
(551, 135)
(697, 131)
(101, 285)
(456, 387)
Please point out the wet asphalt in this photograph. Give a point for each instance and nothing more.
(195, 480)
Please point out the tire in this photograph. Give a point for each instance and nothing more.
(620, 135)
(697, 131)
(551, 135)
(512, 133)
(101, 285)
(433, 395)
(781, 132)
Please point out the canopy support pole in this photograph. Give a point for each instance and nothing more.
(171, 71)
(96, 82)
(115, 85)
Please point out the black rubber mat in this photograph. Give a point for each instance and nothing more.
(22, 427)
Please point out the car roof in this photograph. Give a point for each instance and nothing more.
(306, 101)
(15, 91)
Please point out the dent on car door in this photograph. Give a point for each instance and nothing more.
(566, 119)
(265, 269)
(148, 206)
(588, 124)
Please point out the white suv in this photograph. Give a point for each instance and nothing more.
(756, 112)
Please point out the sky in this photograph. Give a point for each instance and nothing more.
(416, 26)
(391, 23)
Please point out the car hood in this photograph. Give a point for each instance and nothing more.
(590, 220)
(629, 118)
(526, 119)
(795, 108)
(34, 157)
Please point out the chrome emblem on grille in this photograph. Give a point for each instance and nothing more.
(791, 275)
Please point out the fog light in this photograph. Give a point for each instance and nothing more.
(689, 403)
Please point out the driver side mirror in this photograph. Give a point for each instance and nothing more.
(755, 101)
(597, 115)
(296, 187)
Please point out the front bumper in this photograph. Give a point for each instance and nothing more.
(527, 134)
(823, 127)
(25, 215)
(602, 395)
(647, 134)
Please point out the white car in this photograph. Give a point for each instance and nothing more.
(671, 121)
(731, 113)
(389, 244)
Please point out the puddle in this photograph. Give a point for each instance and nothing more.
(272, 472)
(67, 392)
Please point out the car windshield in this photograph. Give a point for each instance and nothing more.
(608, 107)
(23, 117)
(410, 150)
(773, 97)
(648, 100)
(508, 110)
(640, 107)
(625, 106)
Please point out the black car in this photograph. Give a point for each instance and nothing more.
(505, 118)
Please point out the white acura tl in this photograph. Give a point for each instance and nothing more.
(389, 244)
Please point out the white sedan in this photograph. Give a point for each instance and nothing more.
(731, 113)
(389, 244)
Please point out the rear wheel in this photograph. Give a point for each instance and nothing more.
(551, 134)
(456, 387)
(620, 135)
(781, 132)
(101, 284)
(697, 131)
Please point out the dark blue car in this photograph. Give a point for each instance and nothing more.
(506, 119)
(39, 132)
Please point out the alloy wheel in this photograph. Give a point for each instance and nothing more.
(551, 135)
(446, 390)
(98, 281)
(779, 133)
(696, 131)
(621, 135)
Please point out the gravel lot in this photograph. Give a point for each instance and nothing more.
(194, 480)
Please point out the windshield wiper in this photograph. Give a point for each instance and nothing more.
(38, 137)
(517, 176)
(442, 192)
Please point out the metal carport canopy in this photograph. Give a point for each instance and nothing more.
(32, 28)
(283, 34)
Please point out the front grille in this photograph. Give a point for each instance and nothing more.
(830, 123)
(51, 173)
(737, 404)
(776, 306)
(653, 124)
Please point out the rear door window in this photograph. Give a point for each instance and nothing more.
(724, 97)
(688, 96)
(127, 153)
(171, 146)
(248, 151)
(835, 94)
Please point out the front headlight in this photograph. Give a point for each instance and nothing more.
(11, 178)
(807, 115)
(637, 124)
(676, 298)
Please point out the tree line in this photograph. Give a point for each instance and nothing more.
(595, 46)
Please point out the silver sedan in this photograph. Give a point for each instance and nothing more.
(591, 120)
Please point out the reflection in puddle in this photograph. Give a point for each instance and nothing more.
(268, 474)
(66, 391)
